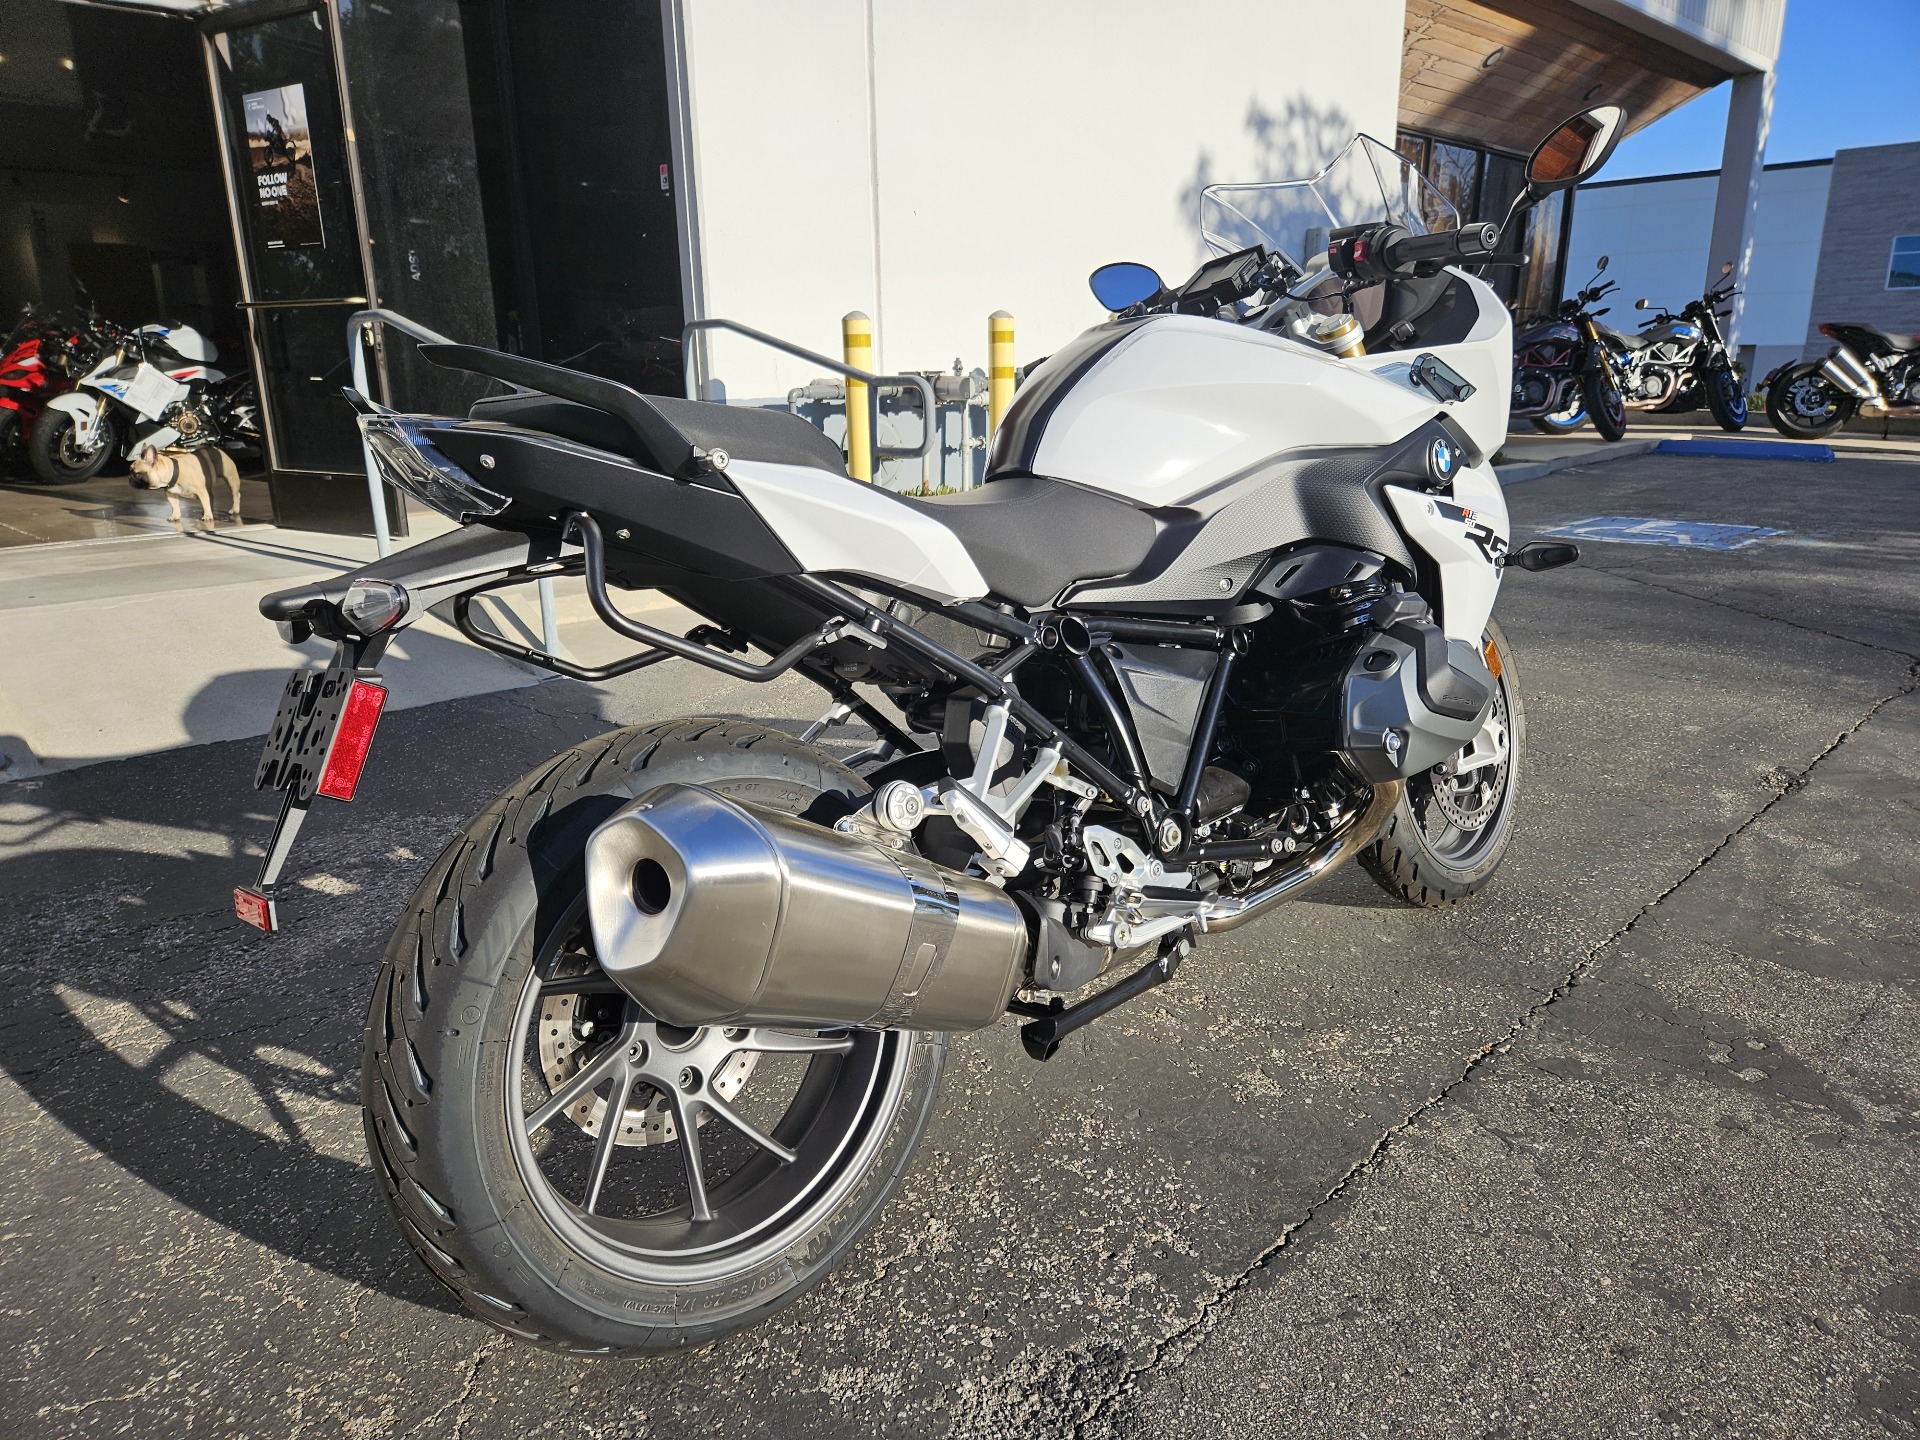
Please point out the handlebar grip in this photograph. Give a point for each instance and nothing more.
(1471, 242)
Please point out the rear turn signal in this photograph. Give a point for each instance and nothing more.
(371, 606)
(347, 756)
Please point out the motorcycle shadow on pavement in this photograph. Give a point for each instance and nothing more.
(215, 1065)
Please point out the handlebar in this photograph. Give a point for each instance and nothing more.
(1370, 253)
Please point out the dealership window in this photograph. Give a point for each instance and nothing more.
(1903, 270)
(1481, 184)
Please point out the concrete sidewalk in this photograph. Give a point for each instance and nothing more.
(126, 646)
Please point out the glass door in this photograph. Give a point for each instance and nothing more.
(301, 238)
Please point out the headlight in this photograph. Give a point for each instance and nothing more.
(408, 461)
(371, 606)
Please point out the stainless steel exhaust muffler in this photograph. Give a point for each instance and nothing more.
(1844, 369)
(709, 911)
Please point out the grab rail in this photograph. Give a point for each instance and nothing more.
(928, 437)
(360, 330)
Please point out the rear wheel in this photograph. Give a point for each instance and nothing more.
(1605, 405)
(1804, 405)
(577, 1173)
(57, 454)
(1725, 398)
(1451, 828)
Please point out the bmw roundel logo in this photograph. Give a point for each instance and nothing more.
(1442, 458)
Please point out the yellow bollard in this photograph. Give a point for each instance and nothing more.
(999, 367)
(856, 346)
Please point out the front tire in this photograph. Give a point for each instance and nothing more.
(55, 454)
(1804, 405)
(573, 1219)
(1725, 398)
(1606, 407)
(1449, 833)
(1563, 422)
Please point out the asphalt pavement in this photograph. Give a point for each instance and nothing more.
(1627, 1146)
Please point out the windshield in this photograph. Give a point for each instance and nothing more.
(1365, 184)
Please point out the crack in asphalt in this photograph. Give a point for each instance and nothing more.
(1176, 1346)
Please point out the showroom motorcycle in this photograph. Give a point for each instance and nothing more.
(1564, 372)
(1869, 371)
(661, 1027)
(1680, 362)
(31, 373)
(156, 387)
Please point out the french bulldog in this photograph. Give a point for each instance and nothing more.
(196, 473)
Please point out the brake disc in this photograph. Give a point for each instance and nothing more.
(648, 1121)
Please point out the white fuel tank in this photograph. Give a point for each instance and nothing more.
(1161, 410)
(185, 341)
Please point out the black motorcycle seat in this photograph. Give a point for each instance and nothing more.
(744, 432)
(1629, 342)
(1899, 344)
(1032, 537)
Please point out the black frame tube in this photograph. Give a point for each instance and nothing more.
(1203, 732)
(1136, 799)
(583, 524)
(1119, 724)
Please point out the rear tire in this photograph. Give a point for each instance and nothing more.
(1805, 406)
(55, 457)
(1606, 407)
(1423, 855)
(1725, 398)
(467, 1025)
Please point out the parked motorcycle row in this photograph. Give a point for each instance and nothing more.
(76, 395)
(1570, 368)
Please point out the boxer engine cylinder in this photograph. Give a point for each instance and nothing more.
(712, 911)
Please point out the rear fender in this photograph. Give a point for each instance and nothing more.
(473, 558)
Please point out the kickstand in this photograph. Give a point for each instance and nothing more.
(1043, 1036)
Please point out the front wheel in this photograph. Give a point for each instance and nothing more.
(56, 453)
(1725, 398)
(1804, 405)
(1605, 404)
(577, 1173)
(1564, 421)
(1451, 828)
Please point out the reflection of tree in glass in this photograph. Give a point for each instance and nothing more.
(1289, 143)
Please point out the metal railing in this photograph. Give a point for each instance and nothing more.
(360, 333)
(929, 436)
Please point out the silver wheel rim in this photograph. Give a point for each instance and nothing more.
(795, 1170)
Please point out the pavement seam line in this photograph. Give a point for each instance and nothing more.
(1753, 614)
(1180, 1343)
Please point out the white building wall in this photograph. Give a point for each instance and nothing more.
(931, 164)
(1656, 232)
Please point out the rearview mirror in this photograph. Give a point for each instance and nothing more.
(1123, 284)
(1600, 266)
(1641, 304)
(1576, 150)
(1726, 267)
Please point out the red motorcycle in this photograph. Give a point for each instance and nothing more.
(33, 369)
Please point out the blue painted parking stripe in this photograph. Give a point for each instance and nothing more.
(1635, 530)
(1749, 450)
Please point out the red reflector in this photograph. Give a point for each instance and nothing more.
(256, 909)
(351, 741)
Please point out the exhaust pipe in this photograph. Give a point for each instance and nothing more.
(1308, 869)
(709, 911)
(1844, 370)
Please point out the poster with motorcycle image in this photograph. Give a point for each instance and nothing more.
(285, 201)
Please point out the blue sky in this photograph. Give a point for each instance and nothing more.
(1849, 72)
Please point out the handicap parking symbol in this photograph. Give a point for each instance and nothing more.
(1694, 534)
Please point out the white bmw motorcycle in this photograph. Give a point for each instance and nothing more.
(154, 387)
(661, 1027)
